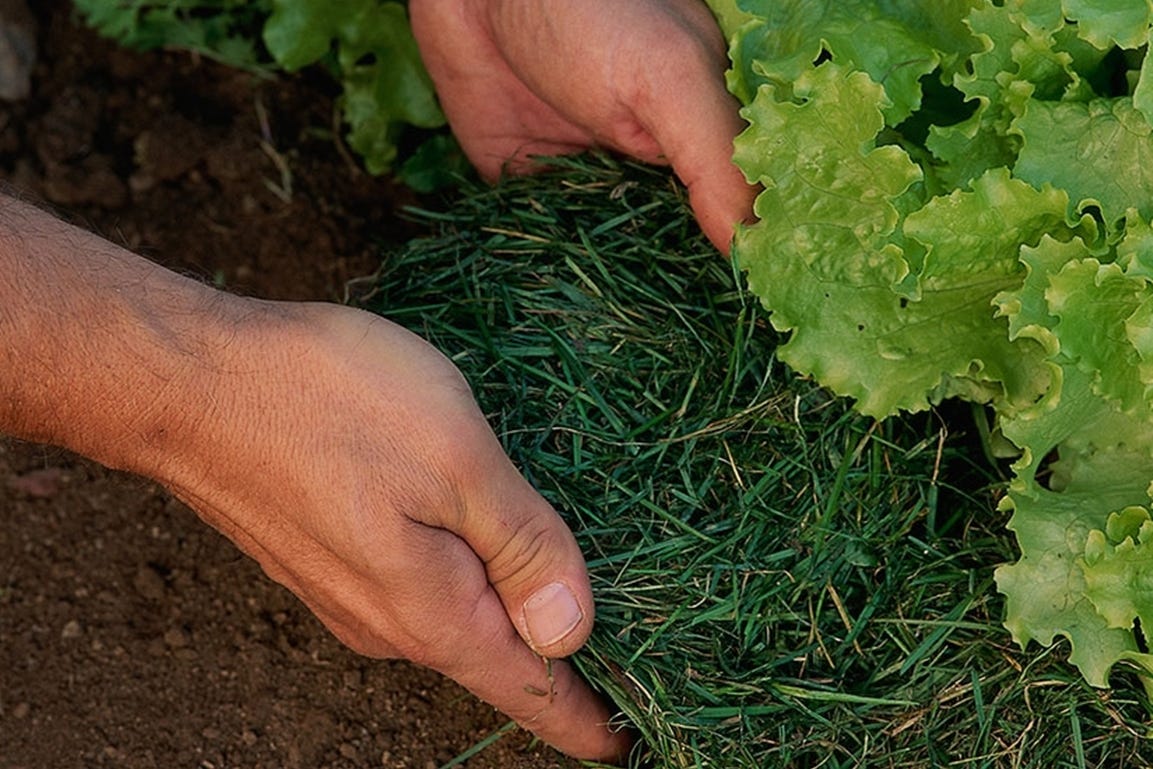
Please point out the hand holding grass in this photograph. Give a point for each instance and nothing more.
(519, 78)
(389, 507)
(343, 453)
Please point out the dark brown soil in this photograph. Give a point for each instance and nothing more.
(131, 635)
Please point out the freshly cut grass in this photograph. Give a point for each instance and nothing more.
(780, 582)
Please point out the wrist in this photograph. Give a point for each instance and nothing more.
(103, 352)
(197, 361)
(232, 370)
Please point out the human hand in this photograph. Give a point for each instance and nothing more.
(343, 453)
(523, 78)
(349, 458)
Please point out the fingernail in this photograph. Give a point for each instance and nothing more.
(550, 614)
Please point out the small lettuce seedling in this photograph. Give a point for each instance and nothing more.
(366, 44)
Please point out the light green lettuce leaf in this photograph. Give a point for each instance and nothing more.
(894, 42)
(973, 241)
(1118, 568)
(1045, 590)
(1100, 24)
(1106, 23)
(1027, 54)
(1139, 331)
(1025, 307)
(1038, 17)
(985, 272)
(822, 244)
(1143, 89)
(1104, 456)
(998, 30)
(1135, 251)
(868, 304)
(970, 147)
(1096, 418)
(1097, 422)
(1134, 254)
(1043, 72)
(1095, 303)
(1101, 153)
(941, 25)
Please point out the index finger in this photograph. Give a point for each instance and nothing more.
(694, 122)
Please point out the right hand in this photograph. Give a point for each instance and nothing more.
(349, 458)
(521, 78)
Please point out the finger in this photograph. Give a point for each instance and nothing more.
(700, 152)
(689, 113)
(464, 632)
(448, 617)
(500, 123)
(531, 559)
(546, 697)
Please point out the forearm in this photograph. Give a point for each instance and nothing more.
(96, 344)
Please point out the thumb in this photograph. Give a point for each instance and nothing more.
(533, 562)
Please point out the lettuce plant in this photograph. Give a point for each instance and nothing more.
(367, 45)
(957, 202)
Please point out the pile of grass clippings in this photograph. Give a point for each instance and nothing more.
(780, 582)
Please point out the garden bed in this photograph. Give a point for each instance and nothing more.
(780, 581)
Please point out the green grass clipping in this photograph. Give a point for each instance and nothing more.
(781, 582)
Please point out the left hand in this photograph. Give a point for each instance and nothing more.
(524, 78)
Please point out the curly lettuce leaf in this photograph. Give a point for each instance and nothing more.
(969, 148)
(1025, 308)
(1101, 152)
(1002, 253)
(1118, 568)
(1095, 303)
(1090, 313)
(895, 43)
(1057, 507)
(821, 258)
(868, 303)
(1027, 55)
(1093, 319)
(1108, 23)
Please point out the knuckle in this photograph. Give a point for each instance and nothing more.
(526, 555)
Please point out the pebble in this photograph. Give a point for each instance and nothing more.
(176, 638)
(149, 583)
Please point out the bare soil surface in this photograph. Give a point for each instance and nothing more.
(132, 635)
